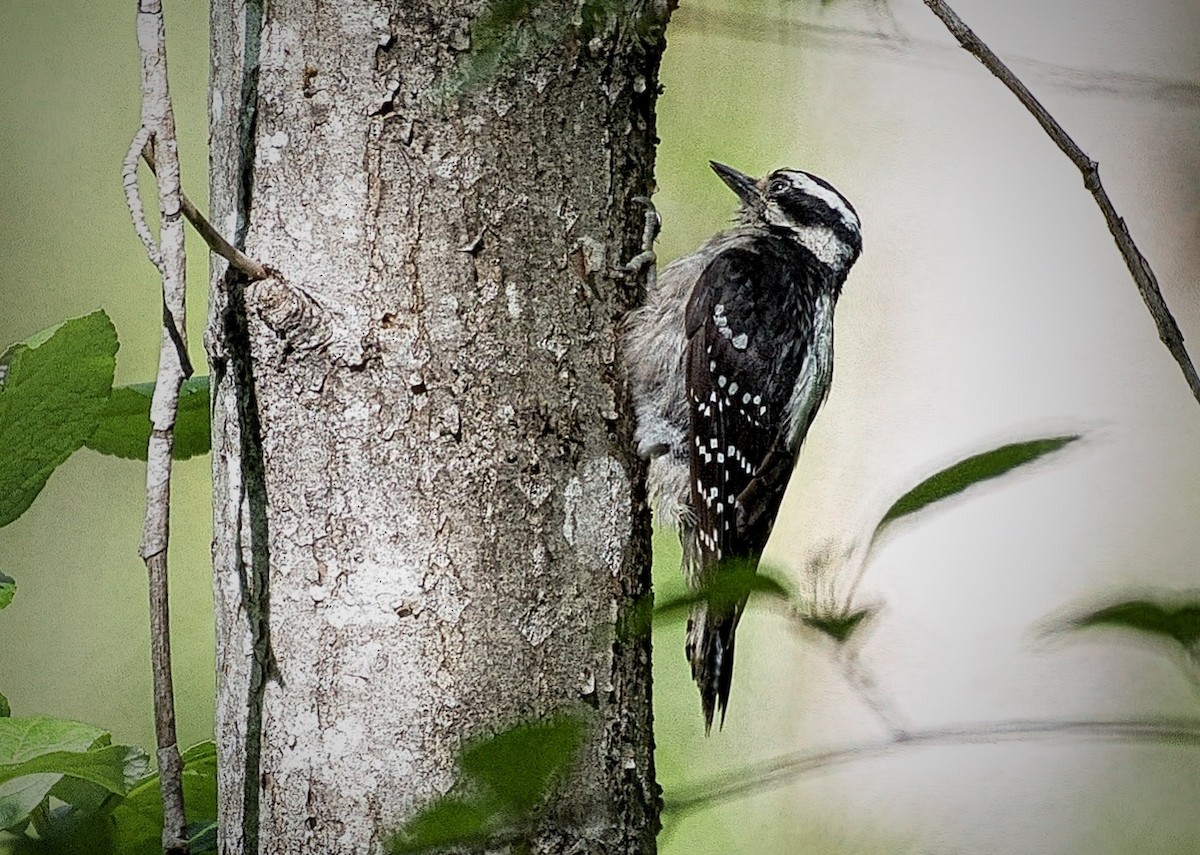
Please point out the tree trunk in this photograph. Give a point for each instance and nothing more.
(427, 512)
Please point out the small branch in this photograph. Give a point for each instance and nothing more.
(774, 773)
(806, 621)
(158, 125)
(133, 197)
(867, 689)
(236, 258)
(1139, 268)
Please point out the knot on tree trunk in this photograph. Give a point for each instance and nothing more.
(290, 312)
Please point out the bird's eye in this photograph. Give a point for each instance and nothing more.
(777, 187)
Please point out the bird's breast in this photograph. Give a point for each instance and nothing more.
(812, 383)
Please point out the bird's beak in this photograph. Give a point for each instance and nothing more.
(736, 181)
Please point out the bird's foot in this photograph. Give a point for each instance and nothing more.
(645, 262)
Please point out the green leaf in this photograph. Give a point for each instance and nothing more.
(21, 796)
(519, 765)
(25, 738)
(449, 821)
(85, 796)
(1178, 620)
(65, 830)
(36, 752)
(636, 618)
(113, 767)
(730, 586)
(200, 782)
(55, 388)
(5, 709)
(137, 823)
(505, 777)
(838, 627)
(972, 470)
(8, 589)
(124, 428)
(202, 837)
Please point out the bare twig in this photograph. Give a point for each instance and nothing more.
(756, 27)
(843, 652)
(782, 770)
(1139, 268)
(158, 125)
(216, 242)
(863, 683)
(133, 196)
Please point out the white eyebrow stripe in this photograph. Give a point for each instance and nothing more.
(829, 197)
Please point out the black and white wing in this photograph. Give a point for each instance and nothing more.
(748, 324)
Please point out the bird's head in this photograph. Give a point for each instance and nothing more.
(806, 207)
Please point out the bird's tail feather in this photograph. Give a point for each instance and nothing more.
(709, 647)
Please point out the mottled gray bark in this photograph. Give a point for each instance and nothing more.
(427, 511)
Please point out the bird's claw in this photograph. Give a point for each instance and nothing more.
(645, 262)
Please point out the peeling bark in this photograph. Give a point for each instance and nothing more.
(427, 510)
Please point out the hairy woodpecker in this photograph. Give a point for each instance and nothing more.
(729, 359)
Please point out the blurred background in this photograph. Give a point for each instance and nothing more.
(990, 306)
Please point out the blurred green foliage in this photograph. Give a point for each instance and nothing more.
(124, 426)
(1168, 616)
(74, 763)
(971, 471)
(505, 778)
(96, 798)
(61, 779)
(54, 389)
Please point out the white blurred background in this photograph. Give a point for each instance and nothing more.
(991, 305)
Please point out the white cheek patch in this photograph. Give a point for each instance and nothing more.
(824, 244)
(774, 215)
